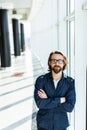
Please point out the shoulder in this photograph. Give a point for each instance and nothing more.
(69, 79)
(39, 81)
(42, 77)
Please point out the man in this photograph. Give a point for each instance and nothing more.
(54, 95)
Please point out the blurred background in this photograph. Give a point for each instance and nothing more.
(29, 31)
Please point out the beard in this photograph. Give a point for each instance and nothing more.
(57, 69)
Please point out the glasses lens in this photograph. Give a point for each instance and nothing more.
(60, 61)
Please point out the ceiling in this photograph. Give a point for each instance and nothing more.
(22, 9)
(17, 8)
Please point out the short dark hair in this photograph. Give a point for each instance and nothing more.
(60, 53)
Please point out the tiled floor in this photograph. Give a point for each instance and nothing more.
(17, 107)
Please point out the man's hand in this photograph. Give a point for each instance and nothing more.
(42, 94)
(62, 99)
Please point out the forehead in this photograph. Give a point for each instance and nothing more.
(57, 56)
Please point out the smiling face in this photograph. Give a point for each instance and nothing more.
(56, 63)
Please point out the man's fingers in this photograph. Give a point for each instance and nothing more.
(42, 90)
(42, 94)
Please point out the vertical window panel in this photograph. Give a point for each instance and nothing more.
(72, 6)
(72, 48)
(70, 36)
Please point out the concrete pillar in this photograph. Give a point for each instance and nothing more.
(4, 39)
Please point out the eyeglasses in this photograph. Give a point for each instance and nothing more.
(59, 61)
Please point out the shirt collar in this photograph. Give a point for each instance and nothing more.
(63, 75)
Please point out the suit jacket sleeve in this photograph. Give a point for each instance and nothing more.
(47, 103)
(70, 98)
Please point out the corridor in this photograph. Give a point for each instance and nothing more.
(17, 108)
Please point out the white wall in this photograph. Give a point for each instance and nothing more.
(62, 26)
(44, 35)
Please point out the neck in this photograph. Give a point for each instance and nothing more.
(57, 76)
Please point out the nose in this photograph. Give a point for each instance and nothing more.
(57, 63)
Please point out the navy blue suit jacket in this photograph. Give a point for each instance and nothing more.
(52, 113)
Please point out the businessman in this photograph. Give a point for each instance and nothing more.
(54, 94)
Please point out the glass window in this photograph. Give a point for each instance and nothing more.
(72, 6)
(70, 35)
(72, 48)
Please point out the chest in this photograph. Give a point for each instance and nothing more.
(60, 90)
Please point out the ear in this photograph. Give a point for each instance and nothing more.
(49, 63)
